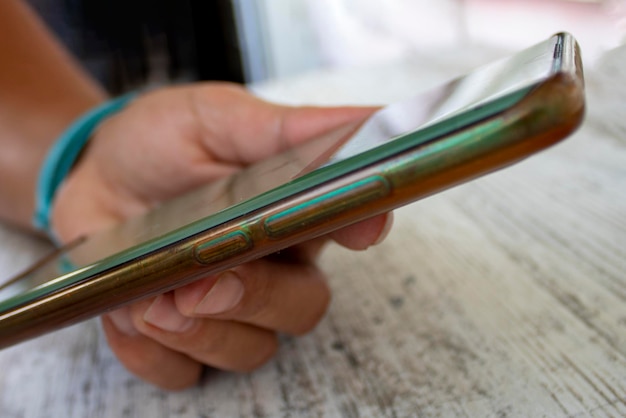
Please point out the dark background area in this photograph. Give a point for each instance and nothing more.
(128, 43)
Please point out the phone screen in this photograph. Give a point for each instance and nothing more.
(481, 94)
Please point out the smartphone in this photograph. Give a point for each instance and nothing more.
(489, 119)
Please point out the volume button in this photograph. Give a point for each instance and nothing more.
(318, 209)
(222, 247)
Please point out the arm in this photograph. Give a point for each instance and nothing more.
(163, 144)
(41, 91)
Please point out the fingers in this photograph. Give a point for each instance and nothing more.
(223, 344)
(147, 358)
(299, 124)
(358, 236)
(158, 344)
(227, 322)
(364, 234)
(289, 298)
(237, 126)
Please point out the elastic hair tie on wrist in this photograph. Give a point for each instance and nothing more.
(64, 153)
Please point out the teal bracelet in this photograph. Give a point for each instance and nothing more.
(63, 154)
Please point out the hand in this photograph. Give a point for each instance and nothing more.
(171, 141)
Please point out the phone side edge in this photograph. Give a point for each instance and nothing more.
(406, 177)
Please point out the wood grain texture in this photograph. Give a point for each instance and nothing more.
(505, 297)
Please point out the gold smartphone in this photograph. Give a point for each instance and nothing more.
(489, 119)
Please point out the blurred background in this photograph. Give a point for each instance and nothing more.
(130, 43)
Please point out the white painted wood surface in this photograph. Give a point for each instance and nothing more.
(505, 297)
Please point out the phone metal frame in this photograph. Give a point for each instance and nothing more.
(440, 156)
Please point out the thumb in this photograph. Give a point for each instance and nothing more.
(245, 129)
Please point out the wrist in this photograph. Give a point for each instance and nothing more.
(63, 154)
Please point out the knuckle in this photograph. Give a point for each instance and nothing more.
(214, 337)
(308, 323)
(137, 363)
(265, 351)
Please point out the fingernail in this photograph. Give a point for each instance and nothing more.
(122, 321)
(223, 296)
(163, 314)
(386, 228)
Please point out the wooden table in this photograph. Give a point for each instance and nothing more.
(505, 297)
